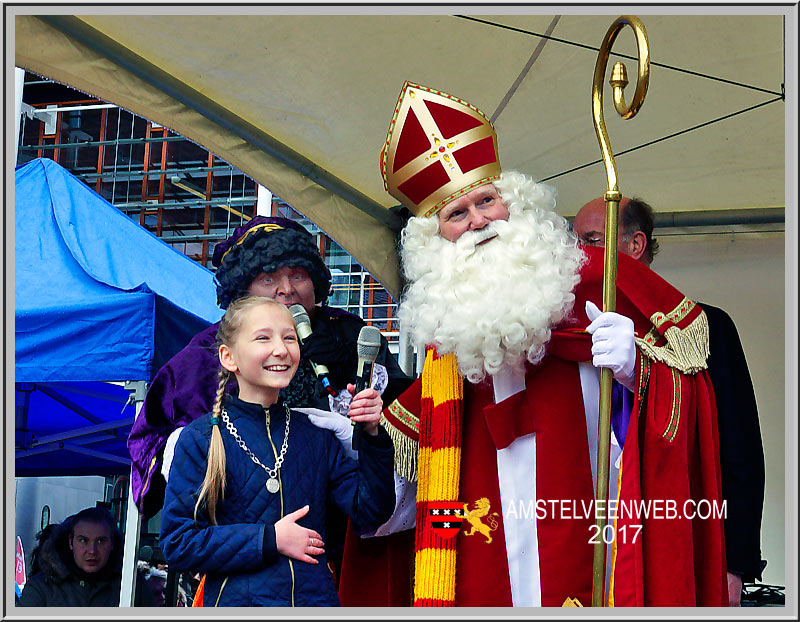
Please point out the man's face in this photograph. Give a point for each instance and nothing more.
(590, 227)
(91, 545)
(286, 285)
(495, 310)
(471, 212)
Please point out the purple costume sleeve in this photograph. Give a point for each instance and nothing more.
(182, 390)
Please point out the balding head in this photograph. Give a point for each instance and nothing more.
(635, 227)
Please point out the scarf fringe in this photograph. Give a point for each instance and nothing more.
(686, 349)
(406, 451)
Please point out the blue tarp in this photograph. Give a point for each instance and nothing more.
(97, 298)
(88, 282)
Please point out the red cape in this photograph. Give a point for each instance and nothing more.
(670, 462)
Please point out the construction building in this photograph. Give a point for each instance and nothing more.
(176, 189)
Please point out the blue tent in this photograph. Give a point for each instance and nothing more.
(97, 298)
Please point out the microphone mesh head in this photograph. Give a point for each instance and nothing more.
(368, 344)
(299, 314)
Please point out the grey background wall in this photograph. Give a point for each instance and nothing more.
(744, 274)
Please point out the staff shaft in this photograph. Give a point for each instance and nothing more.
(604, 419)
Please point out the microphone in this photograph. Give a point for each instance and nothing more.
(367, 347)
(303, 325)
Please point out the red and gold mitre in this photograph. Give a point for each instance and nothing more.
(439, 147)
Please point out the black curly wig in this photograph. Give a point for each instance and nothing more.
(266, 250)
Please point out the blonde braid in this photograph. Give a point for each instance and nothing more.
(213, 487)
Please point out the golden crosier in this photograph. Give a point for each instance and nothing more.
(618, 82)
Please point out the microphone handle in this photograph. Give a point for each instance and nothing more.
(363, 380)
(320, 371)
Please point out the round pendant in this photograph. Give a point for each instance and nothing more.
(272, 485)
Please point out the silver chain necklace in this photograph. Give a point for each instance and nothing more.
(273, 485)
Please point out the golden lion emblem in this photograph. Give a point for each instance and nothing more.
(474, 517)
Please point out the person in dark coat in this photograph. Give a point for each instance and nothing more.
(246, 497)
(78, 563)
(740, 447)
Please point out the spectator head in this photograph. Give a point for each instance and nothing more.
(92, 539)
(155, 580)
(635, 227)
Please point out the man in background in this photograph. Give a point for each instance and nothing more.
(79, 564)
(740, 447)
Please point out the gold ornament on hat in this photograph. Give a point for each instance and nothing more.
(438, 148)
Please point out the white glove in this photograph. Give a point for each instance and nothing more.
(613, 345)
(338, 424)
(341, 403)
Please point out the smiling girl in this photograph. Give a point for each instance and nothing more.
(245, 501)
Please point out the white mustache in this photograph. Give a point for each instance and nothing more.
(469, 240)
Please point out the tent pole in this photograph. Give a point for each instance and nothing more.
(133, 522)
(19, 84)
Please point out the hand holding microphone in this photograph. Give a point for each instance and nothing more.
(365, 409)
(363, 406)
(303, 324)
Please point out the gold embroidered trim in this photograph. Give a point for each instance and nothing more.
(404, 415)
(266, 226)
(150, 472)
(644, 379)
(652, 336)
(686, 349)
(675, 415)
(406, 451)
(674, 316)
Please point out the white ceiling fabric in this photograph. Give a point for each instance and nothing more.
(326, 86)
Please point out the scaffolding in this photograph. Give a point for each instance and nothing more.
(179, 191)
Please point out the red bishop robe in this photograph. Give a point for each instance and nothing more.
(670, 463)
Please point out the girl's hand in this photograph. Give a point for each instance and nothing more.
(366, 407)
(296, 541)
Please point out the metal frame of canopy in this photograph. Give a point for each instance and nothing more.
(75, 440)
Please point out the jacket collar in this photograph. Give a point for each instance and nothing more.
(233, 403)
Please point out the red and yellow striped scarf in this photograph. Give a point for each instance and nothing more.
(439, 470)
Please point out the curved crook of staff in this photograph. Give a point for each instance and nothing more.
(618, 81)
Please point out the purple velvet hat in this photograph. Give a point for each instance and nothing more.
(264, 244)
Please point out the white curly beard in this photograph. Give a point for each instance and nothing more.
(493, 304)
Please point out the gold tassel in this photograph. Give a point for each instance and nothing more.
(686, 349)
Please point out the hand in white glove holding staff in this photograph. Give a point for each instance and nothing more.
(613, 344)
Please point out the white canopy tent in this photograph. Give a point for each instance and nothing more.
(302, 103)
